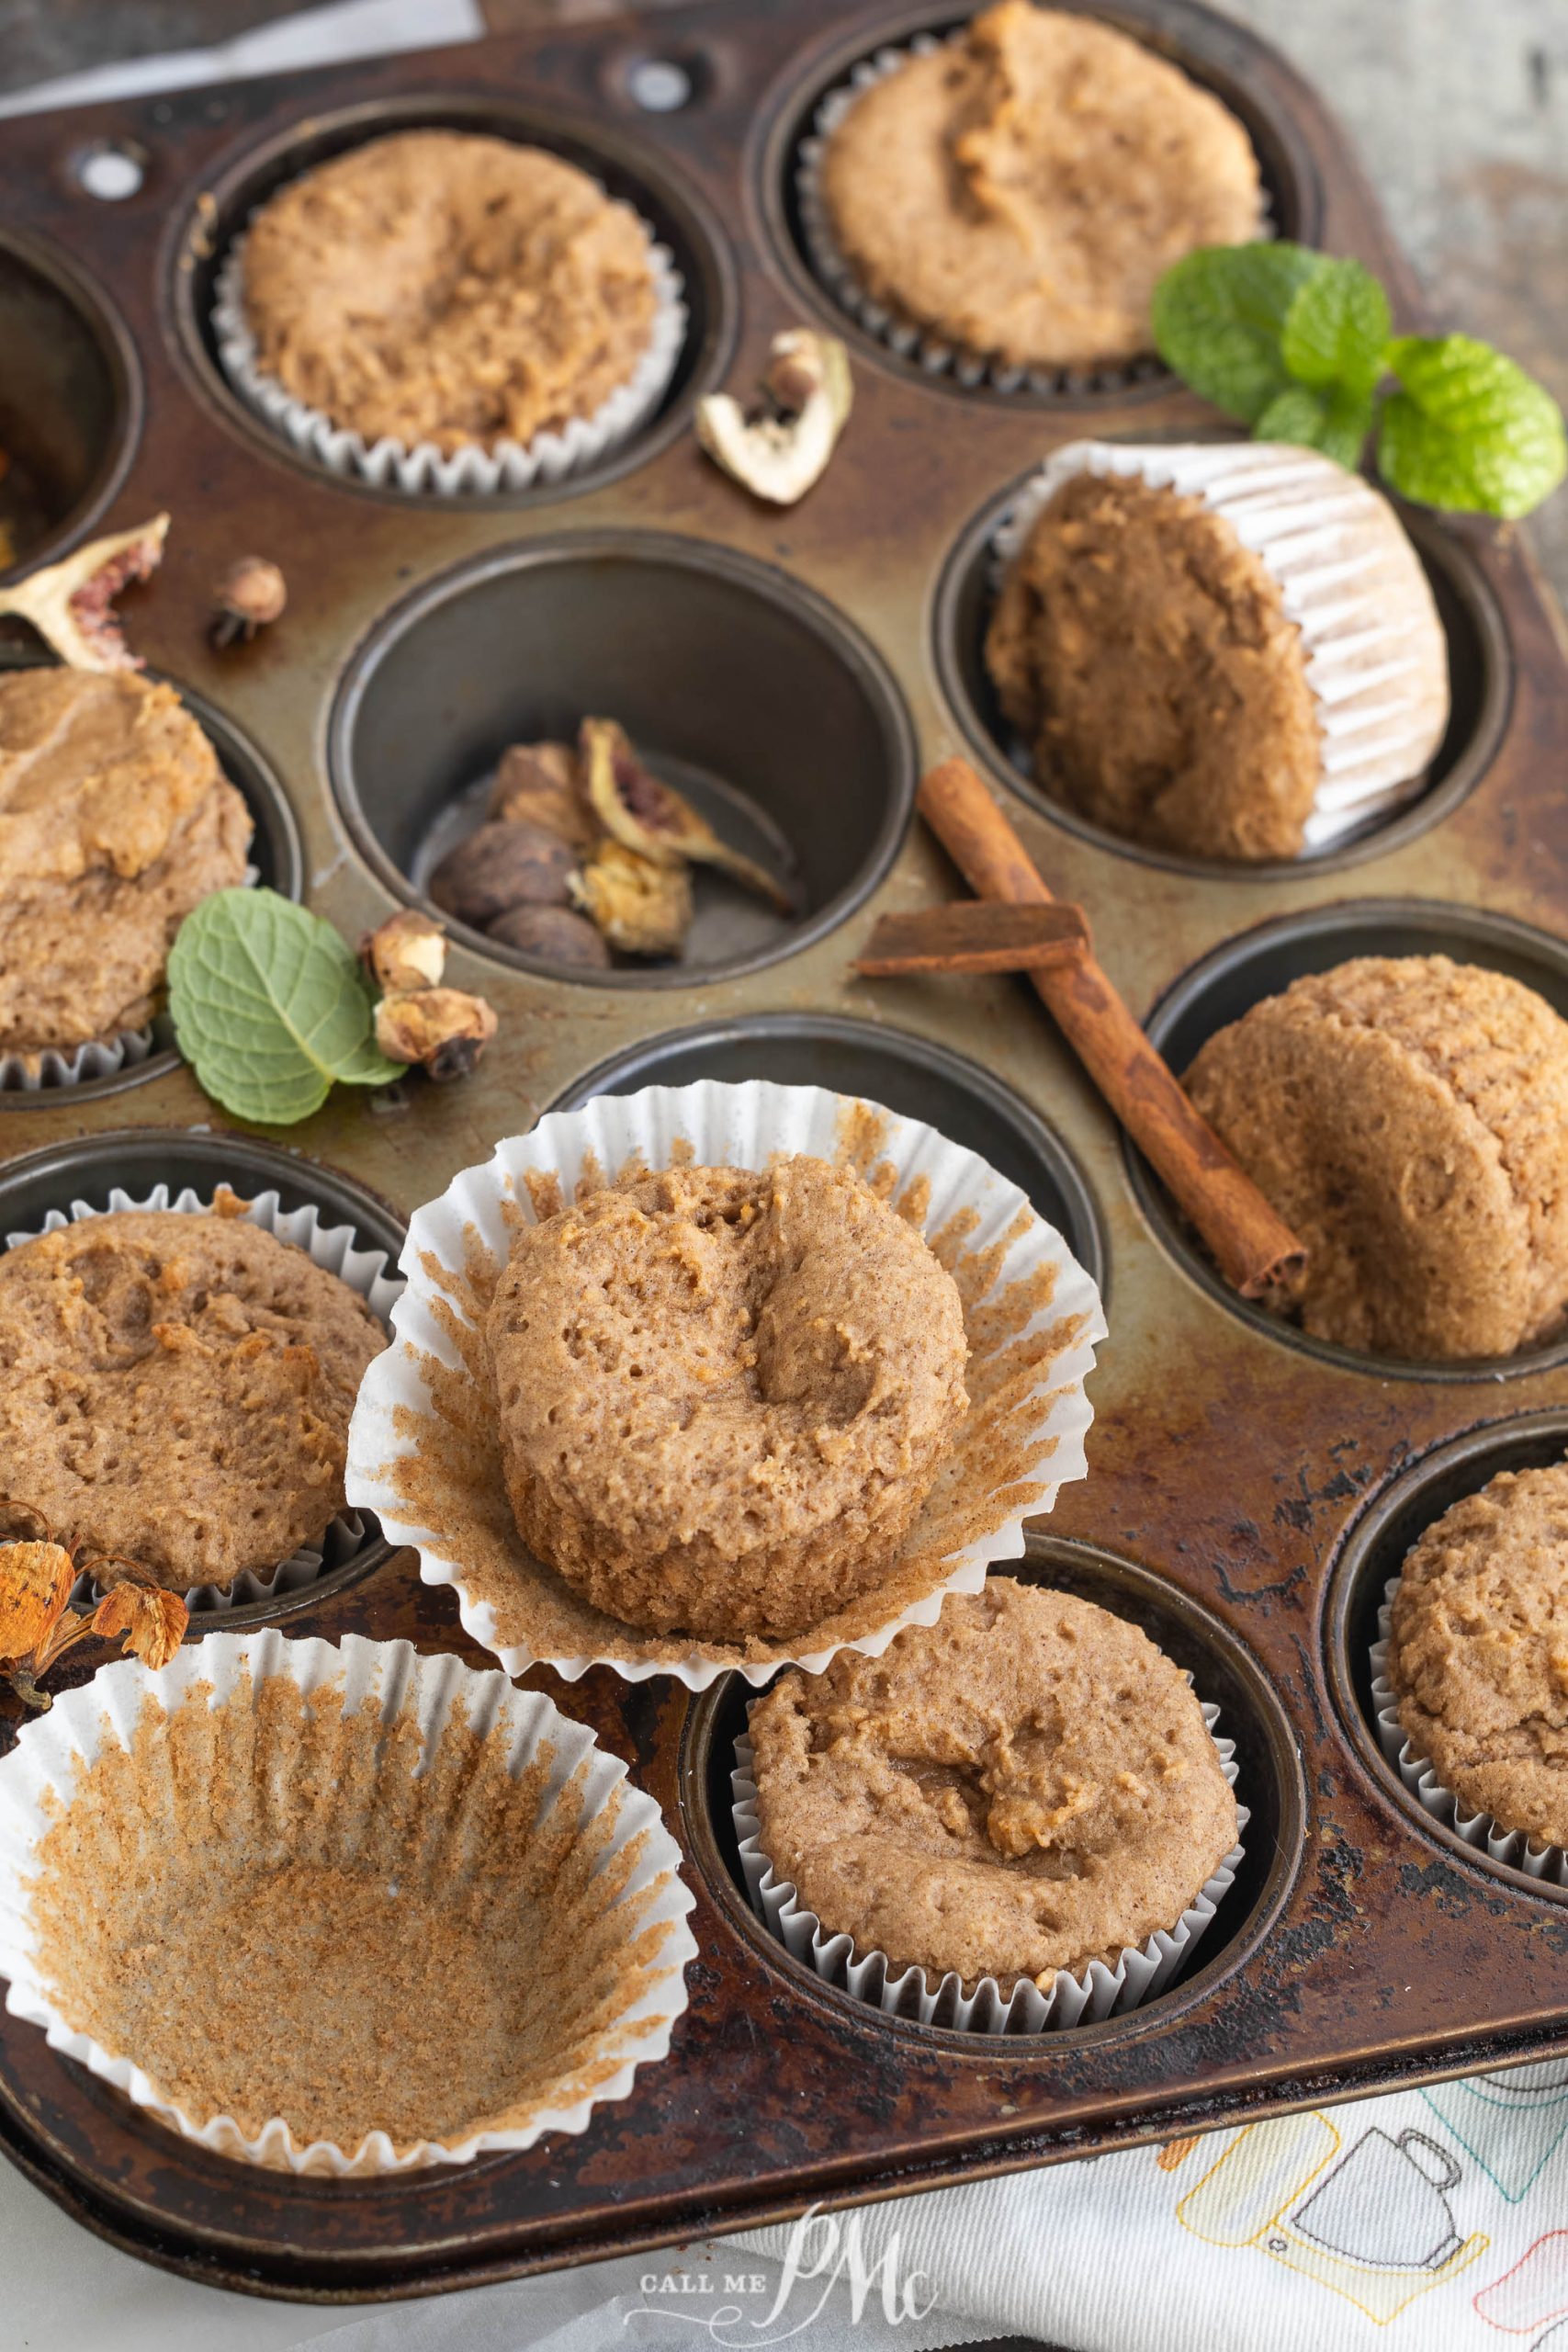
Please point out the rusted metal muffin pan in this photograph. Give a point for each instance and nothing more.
(794, 671)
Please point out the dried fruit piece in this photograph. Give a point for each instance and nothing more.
(250, 596)
(642, 909)
(71, 603)
(153, 1621)
(35, 1585)
(407, 951)
(444, 1030)
(499, 866)
(650, 817)
(538, 784)
(782, 448)
(554, 935)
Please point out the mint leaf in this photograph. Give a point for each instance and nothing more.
(1337, 329)
(1470, 431)
(1218, 315)
(269, 1007)
(1336, 420)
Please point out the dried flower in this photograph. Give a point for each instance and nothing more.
(153, 1621)
(250, 596)
(650, 817)
(408, 951)
(783, 447)
(444, 1030)
(71, 603)
(35, 1585)
(36, 1628)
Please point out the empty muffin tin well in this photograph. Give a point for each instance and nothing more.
(136, 1159)
(70, 400)
(1263, 962)
(276, 853)
(1373, 1553)
(739, 687)
(1268, 1782)
(1480, 678)
(905, 1074)
(1222, 59)
(624, 167)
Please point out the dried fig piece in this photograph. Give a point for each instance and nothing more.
(554, 935)
(782, 448)
(651, 818)
(537, 783)
(642, 909)
(71, 603)
(444, 1030)
(408, 951)
(501, 866)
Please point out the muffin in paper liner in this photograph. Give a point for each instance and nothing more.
(937, 353)
(1376, 653)
(1513, 1848)
(335, 1247)
(422, 466)
(1100, 1992)
(422, 1447)
(276, 1751)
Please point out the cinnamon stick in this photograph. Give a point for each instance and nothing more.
(973, 935)
(1255, 1247)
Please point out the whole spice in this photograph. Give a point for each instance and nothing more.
(782, 446)
(973, 935)
(71, 603)
(650, 817)
(554, 935)
(503, 865)
(444, 1031)
(408, 951)
(251, 596)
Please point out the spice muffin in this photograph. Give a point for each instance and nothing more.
(1022, 189)
(1025, 1786)
(723, 1396)
(116, 820)
(1478, 1653)
(1232, 652)
(1409, 1117)
(442, 288)
(178, 1388)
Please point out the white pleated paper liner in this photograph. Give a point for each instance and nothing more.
(422, 466)
(1087, 1999)
(423, 1446)
(40, 1774)
(1513, 1848)
(1377, 658)
(936, 354)
(337, 1248)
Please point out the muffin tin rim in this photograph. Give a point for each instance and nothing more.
(1350, 1561)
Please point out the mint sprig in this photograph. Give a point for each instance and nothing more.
(1298, 344)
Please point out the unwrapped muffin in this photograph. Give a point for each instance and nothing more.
(1478, 1651)
(178, 1390)
(1020, 190)
(116, 820)
(1026, 1786)
(1408, 1118)
(724, 1394)
(1229, 651)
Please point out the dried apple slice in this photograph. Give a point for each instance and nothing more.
(652, 819)
(71, 603)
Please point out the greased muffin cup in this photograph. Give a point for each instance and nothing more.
(1513, 1848)
(336, 1249)
(422, 1449)
(424, 468)
(628, 1837)
(1375, 649)
(1100, 1992)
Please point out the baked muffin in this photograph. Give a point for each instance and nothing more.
(1025, 1786)
(723, 1396)
(1229, 651)
(177, 1392)
(438, 287)
(1409, 1117)
(1478, 1654)
(116, 820)
(1022, 189)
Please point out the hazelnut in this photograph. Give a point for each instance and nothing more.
(408, 951)
(444, 1030)
(250, 596)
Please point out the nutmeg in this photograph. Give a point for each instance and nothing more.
(505, 863)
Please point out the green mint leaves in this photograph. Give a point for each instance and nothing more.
(1297, 344)
(269, 1007)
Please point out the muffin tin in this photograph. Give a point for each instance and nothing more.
(1246, 1489)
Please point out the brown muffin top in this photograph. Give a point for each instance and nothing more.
(1144, 653)
(115, 820)
(1022, 189)
(1408, 1116)
(722, 1393)
(1025, 1786)
(178, 1390)
(1478, 1656)
(435, 286)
